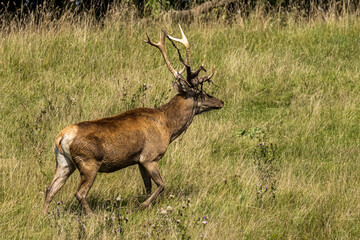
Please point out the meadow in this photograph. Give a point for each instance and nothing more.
(279, 161)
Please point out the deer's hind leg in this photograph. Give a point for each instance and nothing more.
(64, 168)
(88, 171)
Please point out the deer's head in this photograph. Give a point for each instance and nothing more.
(190, 87)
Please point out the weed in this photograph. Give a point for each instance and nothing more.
(253, 133)
(266, 162)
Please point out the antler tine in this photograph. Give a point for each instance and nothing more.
(212, 73)
(208, 78)
(196, 72)
(192, 76)
(177, 49)
(161, 46)
(185, 42)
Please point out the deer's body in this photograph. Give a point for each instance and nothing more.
(139, 136)
(133, 137)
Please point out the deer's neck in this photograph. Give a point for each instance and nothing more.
(179, 113)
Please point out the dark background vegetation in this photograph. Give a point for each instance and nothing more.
(99, 8)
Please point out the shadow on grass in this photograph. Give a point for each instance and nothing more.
(101, 203)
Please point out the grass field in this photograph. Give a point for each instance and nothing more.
(291, 86)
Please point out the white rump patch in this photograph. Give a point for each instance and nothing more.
(64, 162)
(69, 134)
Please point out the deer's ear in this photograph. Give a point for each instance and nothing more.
(176, 86)
(181, 86)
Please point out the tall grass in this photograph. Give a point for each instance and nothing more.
(286, 82)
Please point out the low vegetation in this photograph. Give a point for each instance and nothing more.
(279, 161)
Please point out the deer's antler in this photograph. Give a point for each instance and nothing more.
(192, 79)
(184, 42)
(161, 46)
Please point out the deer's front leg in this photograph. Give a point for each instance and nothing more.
(146, 178)
(152, 169)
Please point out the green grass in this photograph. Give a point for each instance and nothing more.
(297, 81)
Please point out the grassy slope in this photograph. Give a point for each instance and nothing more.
(298, 82)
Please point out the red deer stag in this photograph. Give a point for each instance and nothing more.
(139, 136)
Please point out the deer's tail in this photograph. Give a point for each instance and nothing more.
(58, 140)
